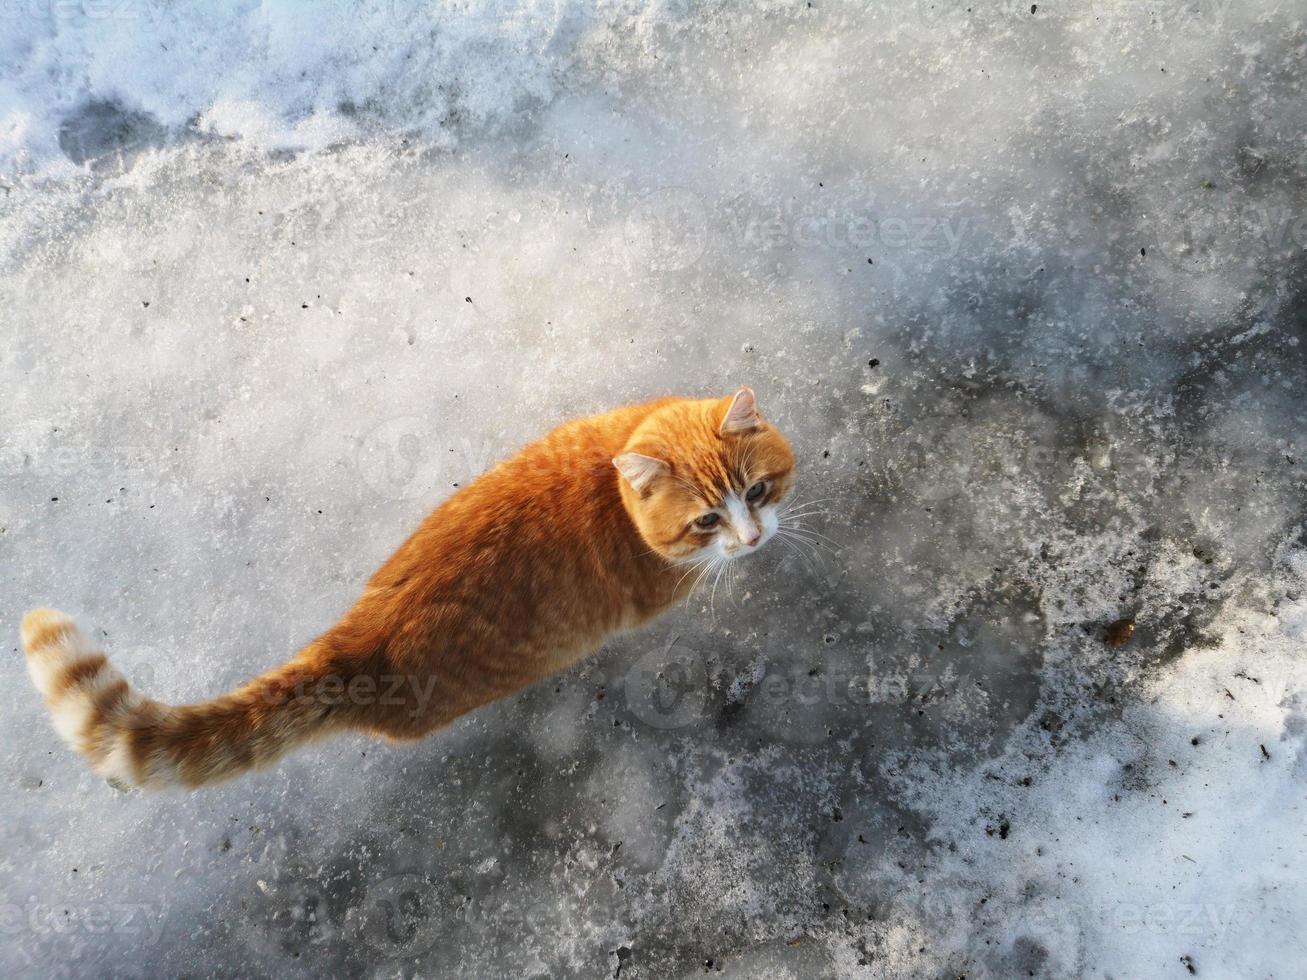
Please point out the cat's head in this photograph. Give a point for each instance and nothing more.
(704, 479)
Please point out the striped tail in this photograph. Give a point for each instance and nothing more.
(132, 740)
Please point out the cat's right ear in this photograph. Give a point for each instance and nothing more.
(639, 470)
(741, 415)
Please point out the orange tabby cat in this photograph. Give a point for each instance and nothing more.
(599, 526)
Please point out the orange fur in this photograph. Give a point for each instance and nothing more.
(524, 571)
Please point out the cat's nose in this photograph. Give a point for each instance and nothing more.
(749, 542)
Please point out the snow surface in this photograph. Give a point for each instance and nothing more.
(1024, 282)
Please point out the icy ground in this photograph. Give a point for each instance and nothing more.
(1026, 284)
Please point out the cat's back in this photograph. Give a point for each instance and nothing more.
(555, 497)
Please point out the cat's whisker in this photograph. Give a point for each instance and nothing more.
(732, 576)
(803, 558)
(814, 539)
(694, 566)
(698, 570)
(713, 569)
(797, 500)
(797, 534)
(726, 576)
(815, 544)
(708, 564)
(804, 511)
(795, 520)
(797, 507)
(813, 549)
(801, 529)
(694, 491)
(712, 598)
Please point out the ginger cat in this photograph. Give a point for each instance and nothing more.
(599, 526)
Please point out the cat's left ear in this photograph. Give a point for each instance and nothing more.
(742, 415)
(639, 470)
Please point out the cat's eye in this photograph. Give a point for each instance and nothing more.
(756, 491)
(708, 519)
